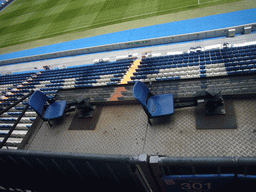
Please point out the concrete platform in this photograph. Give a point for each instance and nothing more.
(124, 130)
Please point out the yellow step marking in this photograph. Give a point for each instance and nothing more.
(131, 71)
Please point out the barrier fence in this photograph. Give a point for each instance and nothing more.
(23, 170)
(45, 171)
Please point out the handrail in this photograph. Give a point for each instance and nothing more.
(17, 102)
(18, 120)
(14, 126)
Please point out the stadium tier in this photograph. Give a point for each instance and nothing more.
(199, 64)
(13, 87)
(228, 67)
(195, 64)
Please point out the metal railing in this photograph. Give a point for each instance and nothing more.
(48, 171)
(6, 137)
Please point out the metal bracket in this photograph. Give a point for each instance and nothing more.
(214, 102)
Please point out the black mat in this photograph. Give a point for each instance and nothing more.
(88, 123)
(227, 121)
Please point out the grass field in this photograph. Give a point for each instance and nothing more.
(30, 20)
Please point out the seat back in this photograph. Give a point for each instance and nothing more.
(140, 92)
(37, 101)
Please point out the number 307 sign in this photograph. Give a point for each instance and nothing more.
(196, 183)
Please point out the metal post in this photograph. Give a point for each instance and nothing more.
(15, 103)
(147, 174)
(153, 162)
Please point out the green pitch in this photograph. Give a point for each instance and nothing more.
(29, 20)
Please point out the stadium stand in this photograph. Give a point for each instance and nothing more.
(231, 60)
(13, 87)
(10, 93)
(235, 60)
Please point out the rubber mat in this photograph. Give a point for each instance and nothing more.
(227, 121)
(87, 123)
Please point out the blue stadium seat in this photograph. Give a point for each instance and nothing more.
(54, 110)
(154, 105)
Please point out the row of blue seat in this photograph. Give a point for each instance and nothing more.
(230, 73)
(203, 54)
(12, 82)
(203, 74)
(15, 82)
(97, 77)
(226, 62)
(242, 62)
(15, 95)
(2, 81)
(78, 82)
(9, 99)
(246, 59)
(88, 68)
(90, 85)
(3, 126)
(246, 47)
(95, 81)
(25, 91)
(246, 50)
(15, 76)
(37, 81)
(21, 93)
(14, 114)
(50, 89)
(14, 119)
(199, 57)
(251, 55)
(80, 75)
(83, 70)
(85, 73)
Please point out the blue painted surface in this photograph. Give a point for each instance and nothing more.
(5, 4)
(168, 29)
(206, 182)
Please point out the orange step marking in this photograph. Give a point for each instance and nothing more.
(127, 78)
